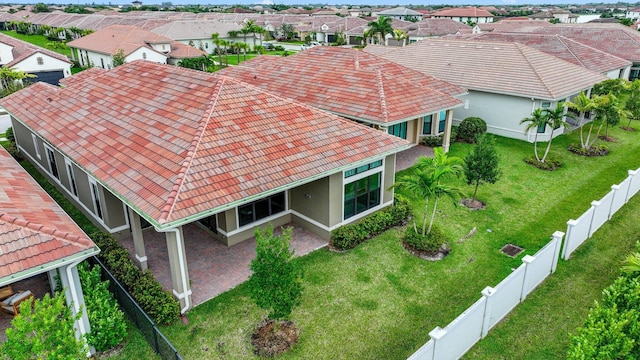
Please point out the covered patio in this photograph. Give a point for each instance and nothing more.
(213, 267)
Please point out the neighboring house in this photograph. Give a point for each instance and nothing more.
(562, 16)
(171, 146)
(401, 13)
(614, 39)
(565, 49)
(38, 237)
(507, 25)
(197, 33)
(633, 14)
(434, 28)
(97, 49)
(464, 15)
(358, 86)
(48, 66)
(506, 81)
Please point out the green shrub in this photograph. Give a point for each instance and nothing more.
(548, 164)
(160, 305)
(108, 328)
(278, 48)
(596, 150)
(432, 141)
(430, 243)
(9, 135)
(349, 236)
(470, 128)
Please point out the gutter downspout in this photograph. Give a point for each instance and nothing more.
(186, 291)
(75, 301)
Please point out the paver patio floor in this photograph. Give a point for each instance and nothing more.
(213, 267)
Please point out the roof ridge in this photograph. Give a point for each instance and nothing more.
(356, 60)
(383, 100)
(40, 228)
(191, 154)
(521, 48)
(560, 38)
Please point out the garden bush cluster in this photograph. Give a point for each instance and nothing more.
(160, 305)
(470, 128)
(595, 150)
(612, 329)
(349, 236)
(429, 243)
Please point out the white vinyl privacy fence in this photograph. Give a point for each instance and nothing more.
(453, 341)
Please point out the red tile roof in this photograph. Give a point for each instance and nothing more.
(561, 47)
(34, 230)
(463, 12)
(22, 50)
(350, 83)
(175, 143)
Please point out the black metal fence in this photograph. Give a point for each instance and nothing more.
(151, 333)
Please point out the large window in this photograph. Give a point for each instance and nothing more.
(427, 122)
(442, 122)
(95, 196)
(399, 130)
(261, 209)
(364, 190)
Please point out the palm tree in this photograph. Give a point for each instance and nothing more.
(287, 30)
(535, 121)
(242, 47)
(632, 263)
(215, 37)
(555, 119)
(252, 28)
(583, 105)
(425, 181)
(382, 27)
(399, 35)
(259, 49)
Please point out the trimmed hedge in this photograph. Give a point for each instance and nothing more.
(159, 304)
(349, 236)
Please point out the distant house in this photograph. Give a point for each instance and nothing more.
(46, 65)
(633, 14)
(136, 4)
(401, 13)
(464, 15)
(97, 49)
(171, 146)
(197, 33)
(360, 87)
(38, 237)
(562, 16)
(506, 81)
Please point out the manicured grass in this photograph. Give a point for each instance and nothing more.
(39, 40)
(135, 347)
(379, 302)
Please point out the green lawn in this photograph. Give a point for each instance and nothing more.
(379, 302)
(39, 40)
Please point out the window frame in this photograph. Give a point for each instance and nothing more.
(430, 128)
(95, 199)
(254, 212)
(52, 163)
(378, 170)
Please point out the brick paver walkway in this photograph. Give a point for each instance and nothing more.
(406, 158)
(213, 267)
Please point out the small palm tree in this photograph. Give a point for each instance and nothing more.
(215, 37)
(632, 263)
(555, 119)
(583, 105)
(535, 121)
(399, 35)
(382, 27)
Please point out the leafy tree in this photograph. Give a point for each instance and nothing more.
(554, 21)
(43, 330)
(259, 49)
(625, 21)
(275, 284)
(287, 30)
(482, 164)
(609, 111)
(12, 80)
(108, 326)
(40, 8)
(380, 27)
(424, 181)
(632, 104)
(119, 58)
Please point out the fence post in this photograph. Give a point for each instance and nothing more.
(615, 189)
(486, 320)
(631, 173)
(155, 338)
(437, 334)
(594, 204)
(557, 237)
(526, 260)
(571, 224)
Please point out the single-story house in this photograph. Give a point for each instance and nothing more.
(562, 16)
(464, 15)
(401, 13)
(506, 81)
(171, 146)
(197, 33)
(566, 49)
(46, 65)
(38, 237)
(359, 86)
(97, 49)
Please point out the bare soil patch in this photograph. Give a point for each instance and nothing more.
(268, 341)
(627, 128)
(607, 138)
(425, 255)
(473, 204)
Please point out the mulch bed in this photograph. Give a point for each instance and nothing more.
(473, 204)
(548, 165)
(626, 128)
(425, 255)
(268, 342)
(592, 151)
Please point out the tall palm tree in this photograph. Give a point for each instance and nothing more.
(425, 181)
(583, 105)
(215, 37)
(535, 121)
(555, 119)
(382, 27)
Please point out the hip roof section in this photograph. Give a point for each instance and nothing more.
(174, 143)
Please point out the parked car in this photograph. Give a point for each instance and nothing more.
(309, 45)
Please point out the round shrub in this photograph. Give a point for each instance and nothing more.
(430, 243)
(470, 128)
(432, 141)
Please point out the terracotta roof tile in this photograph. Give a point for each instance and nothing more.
(176, 142)
(464, 12)
(34, 230)
(350, 83)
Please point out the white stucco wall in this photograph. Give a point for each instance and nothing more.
(162, 47)
(30, 64)
(502, 113)
(147, 54)
(6, 55)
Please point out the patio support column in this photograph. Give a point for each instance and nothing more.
(75, 300)
(446, 137)
(138, 240)
(179, 271)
